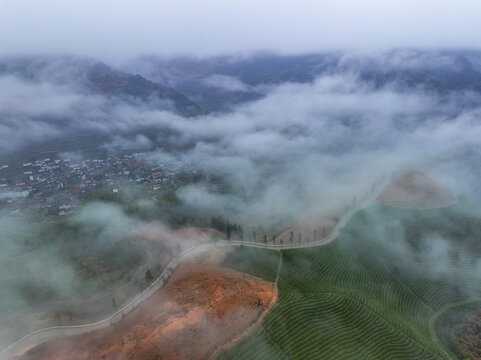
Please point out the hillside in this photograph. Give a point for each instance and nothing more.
(82, 74)
(436, 72)
(362, 297)
(105, 80)
(201, 308)
(413, 189)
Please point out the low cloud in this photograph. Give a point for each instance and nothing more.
(301, 145)
(300, 151)
(225, 82)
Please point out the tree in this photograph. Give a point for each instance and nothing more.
(148, 275)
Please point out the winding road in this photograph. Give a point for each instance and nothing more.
(43, 335)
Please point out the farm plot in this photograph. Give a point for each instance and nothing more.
(371, 293)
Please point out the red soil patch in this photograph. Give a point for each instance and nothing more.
(200, 309)
(468, 335)
(415, 190)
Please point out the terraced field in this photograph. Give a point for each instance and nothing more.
(372, 293)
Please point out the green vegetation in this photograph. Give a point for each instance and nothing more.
(75, 258)
(36, 292)
(104, 196)
(140, 203)
(91, 249)
(368, 295)
(223, 225)
(258, 262)
(168, 198)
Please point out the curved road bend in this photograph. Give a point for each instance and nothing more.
(50, 333)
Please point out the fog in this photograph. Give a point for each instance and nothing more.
(112, 30)
(280, 140)
(300, 147)
(295, 153)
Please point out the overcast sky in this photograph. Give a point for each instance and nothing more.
(120, 29)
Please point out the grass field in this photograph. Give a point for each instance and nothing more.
(372, 293)
(258, 262)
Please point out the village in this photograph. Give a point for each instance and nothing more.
(55, 186)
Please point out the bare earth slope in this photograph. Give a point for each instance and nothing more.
(413, 189)
(468, 335)
(200, 309)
